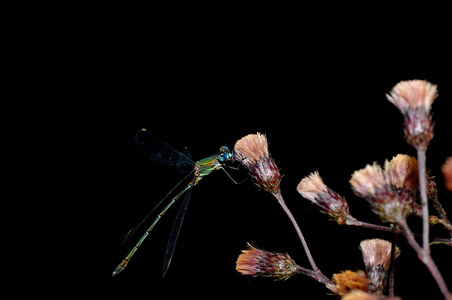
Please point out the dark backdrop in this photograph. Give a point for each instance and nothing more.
(318, 94)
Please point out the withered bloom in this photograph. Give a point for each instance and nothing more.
(377, 259)
(414, 99)
(252, 152)
(402, 174)
(312, 188)
(446, 169)
(346, 281)
(369, 183)
(257, 262)
(391, 191)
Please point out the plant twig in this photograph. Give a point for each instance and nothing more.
(426, 259)
(355, 222)
(320, 277)
(395, 232)
(421, 157)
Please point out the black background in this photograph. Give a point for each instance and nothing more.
(317, 92)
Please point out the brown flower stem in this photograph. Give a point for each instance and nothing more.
(306, 272)
(319, 275)
(297, 228)
(315, 275)
(354, 222)
(395, 233)
(421, 157)
(426, 258)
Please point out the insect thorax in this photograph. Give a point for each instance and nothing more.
(206, 166)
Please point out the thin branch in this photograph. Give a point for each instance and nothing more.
(421, 157)
(321, 278)
(426, 259)
(355, 222)
(392, 267)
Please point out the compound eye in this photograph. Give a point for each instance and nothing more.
(224, 153)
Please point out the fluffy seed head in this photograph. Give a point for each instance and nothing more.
(412, 94)
(312, 188)
(391, 191)
(251, 148)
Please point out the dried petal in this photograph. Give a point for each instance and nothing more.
(412, 94)
(251, 148)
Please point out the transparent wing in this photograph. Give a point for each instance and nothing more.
(132, 231)
(161, 152)
(174, 234)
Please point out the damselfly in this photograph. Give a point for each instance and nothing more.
(162, 153)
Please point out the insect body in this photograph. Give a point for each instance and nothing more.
(160, 152)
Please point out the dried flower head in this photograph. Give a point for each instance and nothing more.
(312, 188)
(446, 169)
(414, 99)
(377, 258)
(252, 152)
(390, 191)
(347, 281)
(257, 262)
